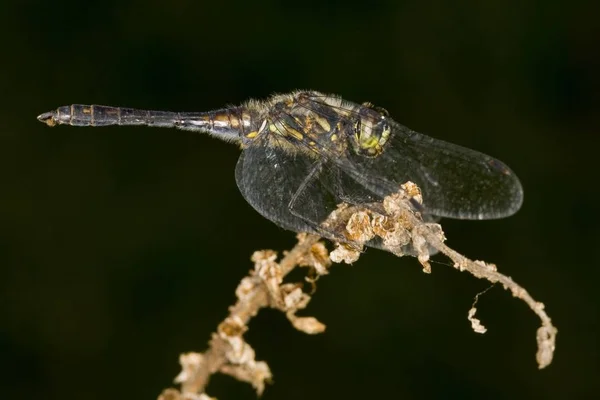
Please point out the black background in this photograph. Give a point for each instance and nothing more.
(121, 247)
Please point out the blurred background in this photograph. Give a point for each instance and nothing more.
(120, 248)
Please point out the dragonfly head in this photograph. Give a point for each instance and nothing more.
(370, 133)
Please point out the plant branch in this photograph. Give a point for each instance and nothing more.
(395, 224)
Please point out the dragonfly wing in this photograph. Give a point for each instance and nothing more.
(269, 177)
(456, 182)
(295, 191)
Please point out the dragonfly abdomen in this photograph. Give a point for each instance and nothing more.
(96, 115)
(229, 123)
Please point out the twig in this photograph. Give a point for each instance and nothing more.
(228, 353)
(400, 230)
(546, 333)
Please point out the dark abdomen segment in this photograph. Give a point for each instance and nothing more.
(226, 123)
(95, 115)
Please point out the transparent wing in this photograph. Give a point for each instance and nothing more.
(269, 176)
(298, 193)
(456, 182)
(295, 191)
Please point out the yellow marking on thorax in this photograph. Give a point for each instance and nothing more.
(284, 130)
(323, 123)
(253, 134)
(294, 133)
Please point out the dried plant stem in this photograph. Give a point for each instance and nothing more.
(228, 353)
(243, 310)
(546, 333)
(400, 229)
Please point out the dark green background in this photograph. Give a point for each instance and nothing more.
(121, 247)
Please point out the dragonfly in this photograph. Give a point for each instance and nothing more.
(304, 153)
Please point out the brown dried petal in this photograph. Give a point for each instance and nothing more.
(359, 227)
(190, 363)
(308, 325)
(344, 253)
(475, 323)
